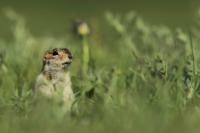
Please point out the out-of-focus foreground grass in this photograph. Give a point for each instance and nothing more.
(147, 80)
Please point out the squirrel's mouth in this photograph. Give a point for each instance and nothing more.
(67, 63)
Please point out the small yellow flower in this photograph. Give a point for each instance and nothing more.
(83, 29)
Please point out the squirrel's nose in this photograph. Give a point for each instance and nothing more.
(70, 56)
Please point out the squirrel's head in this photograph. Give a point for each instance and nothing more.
(57, 58)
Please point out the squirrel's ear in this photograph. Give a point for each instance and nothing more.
(48, 55)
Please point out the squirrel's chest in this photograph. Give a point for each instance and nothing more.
(60, 83)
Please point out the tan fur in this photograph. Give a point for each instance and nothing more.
(54, 80)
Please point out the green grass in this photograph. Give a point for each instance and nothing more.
(144, 78)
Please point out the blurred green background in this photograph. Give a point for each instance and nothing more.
(53, 16)
(134, 81)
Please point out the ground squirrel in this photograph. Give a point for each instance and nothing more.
(54, 79)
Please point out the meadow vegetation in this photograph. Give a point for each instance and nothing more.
(145, 78)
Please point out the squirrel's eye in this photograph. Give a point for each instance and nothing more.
(55, 53)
